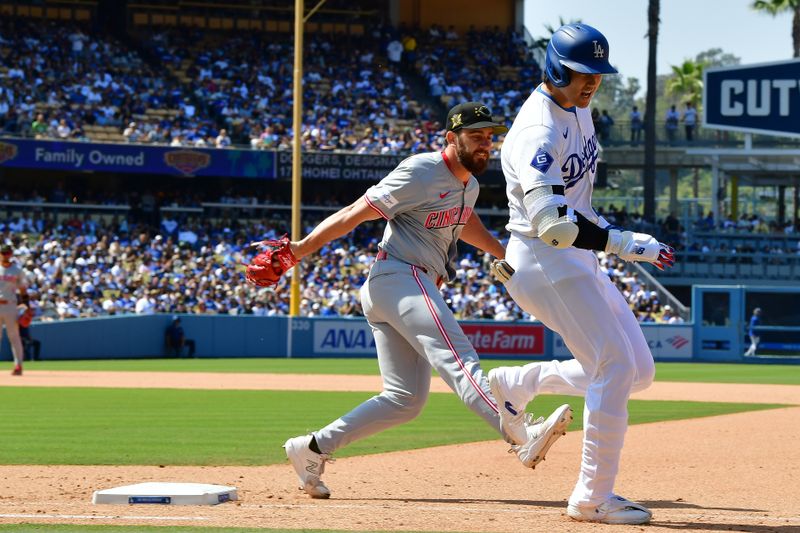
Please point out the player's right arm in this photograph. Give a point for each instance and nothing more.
(394, 193)
(536, 157)
(337, 225)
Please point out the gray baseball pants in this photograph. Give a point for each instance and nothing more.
(8, 318)
(414, 330)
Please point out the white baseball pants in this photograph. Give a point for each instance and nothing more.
(568, 292)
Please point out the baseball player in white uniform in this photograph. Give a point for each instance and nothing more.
(428, 201)
(12, 280)
(549, 159)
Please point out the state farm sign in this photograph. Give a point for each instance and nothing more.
(506, 339)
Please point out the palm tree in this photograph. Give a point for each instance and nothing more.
(653, 21)
(774, 7)
(687, 80)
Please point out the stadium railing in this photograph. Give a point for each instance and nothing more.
(620, 135)
(735, 267)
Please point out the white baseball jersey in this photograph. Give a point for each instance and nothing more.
(11, 279)
(427, 207)
(549, 145)
(567, 291)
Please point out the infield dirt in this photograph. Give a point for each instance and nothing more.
(726, 473)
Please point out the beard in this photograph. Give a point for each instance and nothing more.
(468, 160)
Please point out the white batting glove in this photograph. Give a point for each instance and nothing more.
(501, 270)
(631, 246)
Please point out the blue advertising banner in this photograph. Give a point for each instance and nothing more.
(186, 161)
(137, 158)
(761, 98)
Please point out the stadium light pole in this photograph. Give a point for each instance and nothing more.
(300, 18)
(297, 168)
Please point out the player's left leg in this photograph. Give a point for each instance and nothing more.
(753, 346)
(406, 383)
(12, 329)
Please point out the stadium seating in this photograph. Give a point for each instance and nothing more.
(96, 259)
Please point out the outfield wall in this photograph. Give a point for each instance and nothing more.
(136, 336)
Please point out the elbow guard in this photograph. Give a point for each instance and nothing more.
(555, 222)
(558, 224)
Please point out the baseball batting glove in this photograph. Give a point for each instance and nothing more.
(266, 268)
(501, 270)
(631, 246)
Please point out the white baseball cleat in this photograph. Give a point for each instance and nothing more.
(512, 417)
(309, 466)
(615, 510)
(542, 435)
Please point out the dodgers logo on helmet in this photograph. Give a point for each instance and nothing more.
(577, 47)
(599, 52)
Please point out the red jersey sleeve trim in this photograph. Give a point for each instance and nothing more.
(447, 162)
(376, 208)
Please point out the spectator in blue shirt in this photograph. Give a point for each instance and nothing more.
(671, 123)
(637, 124)
(752, 332)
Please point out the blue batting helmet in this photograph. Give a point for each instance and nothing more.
(577, 47)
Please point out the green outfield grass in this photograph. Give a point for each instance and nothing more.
(233, 427)
(695, 372)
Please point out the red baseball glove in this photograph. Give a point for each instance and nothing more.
(266, 269)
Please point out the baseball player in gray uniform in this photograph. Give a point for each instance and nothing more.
(12, 280)
(428, 201)
(549, 160)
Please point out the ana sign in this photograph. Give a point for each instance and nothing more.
(761, 98)
(343, 337)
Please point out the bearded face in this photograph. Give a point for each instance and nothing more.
(471, 156)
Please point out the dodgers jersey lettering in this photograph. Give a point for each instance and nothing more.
(549, 145)
(426, 207)
(11, 278)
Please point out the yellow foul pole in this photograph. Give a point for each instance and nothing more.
(297, 169)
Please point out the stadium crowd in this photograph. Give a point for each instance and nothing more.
(353, 96)
(83, 266)
(484, 66)
(189, 87)
(217, 89)
(192, 88)
(58, 78)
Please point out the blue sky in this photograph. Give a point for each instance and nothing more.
(687, 27)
